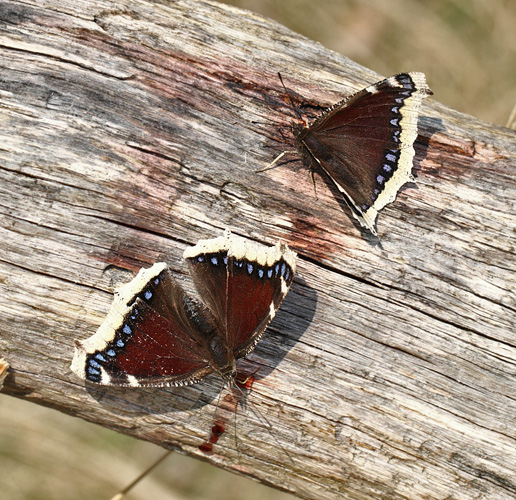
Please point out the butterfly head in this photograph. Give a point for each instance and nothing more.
(228, 373)
(300, 129)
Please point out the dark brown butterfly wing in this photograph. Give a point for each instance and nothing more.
(153, 336)
(257, 286)
(243, 283)
(156, 335)
(365, 143)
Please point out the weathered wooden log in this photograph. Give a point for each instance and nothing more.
(128, 134)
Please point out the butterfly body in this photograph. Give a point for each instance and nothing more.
(364, 143)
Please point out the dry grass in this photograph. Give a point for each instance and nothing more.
(52, 456)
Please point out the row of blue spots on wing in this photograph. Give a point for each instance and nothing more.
(391, 156)
(279, 269)
(215, 259)
(95, 361)
(389, 166)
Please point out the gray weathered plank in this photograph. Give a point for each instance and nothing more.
(129, 133)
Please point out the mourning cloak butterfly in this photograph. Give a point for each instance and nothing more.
(364, 143)
(157, 335)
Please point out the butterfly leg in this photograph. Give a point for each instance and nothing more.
(272, 165)
(312, 178)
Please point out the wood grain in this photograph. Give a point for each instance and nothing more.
(129, 134)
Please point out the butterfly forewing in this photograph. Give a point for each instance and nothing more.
(243, 283)
(255, 292)
(154, 351)
(152, 336)
(350, 146)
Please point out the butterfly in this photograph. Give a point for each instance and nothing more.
(155, 334)
(364, 143)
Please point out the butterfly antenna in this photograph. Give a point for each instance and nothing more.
(265, 422)
(294, 107)
(121, 494)
(243, 397)
(237, 448)
(272, 165)
(216, 411)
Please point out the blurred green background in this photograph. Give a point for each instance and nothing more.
(466, 48)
